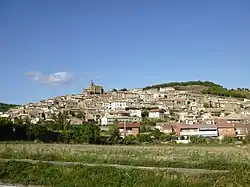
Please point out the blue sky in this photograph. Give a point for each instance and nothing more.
(118, 44)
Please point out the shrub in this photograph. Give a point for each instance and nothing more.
(130, 139)
(144, 138)
(198, 140)
(228, 140)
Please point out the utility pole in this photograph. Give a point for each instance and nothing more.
(124, 128)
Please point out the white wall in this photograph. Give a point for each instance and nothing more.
(104, 120)
(135, 113)
(199, 133)
(118, 105)
(155, 115)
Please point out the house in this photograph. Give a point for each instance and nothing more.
(225, 128)
(168, 128)
(129, 128)
(109, 120)
(198, 129)
(240, 130)
(135, 112)
(115, 105)
(156, 113)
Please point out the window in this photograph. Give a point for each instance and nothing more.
(207, 130)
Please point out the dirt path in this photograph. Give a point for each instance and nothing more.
(16, 185)
(186, 171)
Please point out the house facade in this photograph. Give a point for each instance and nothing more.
(241, 130)
(129, 129)
(156, 113)
(225, 129)
(204, 130)
(110, 120)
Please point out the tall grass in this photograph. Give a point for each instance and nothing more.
(49, 175)
(229, 158)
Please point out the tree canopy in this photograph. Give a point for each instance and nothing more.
(5, 107)
(188, 83)
(209, 88)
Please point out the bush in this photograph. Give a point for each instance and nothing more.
(86, 133)
(198, 140)
(165, 137)
(144, 138)
(228, 140)
(130, 139)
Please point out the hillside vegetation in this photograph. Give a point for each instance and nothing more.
(207, 88)
(5, 107)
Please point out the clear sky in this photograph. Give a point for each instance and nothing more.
(55, 47)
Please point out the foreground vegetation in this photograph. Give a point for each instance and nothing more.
(60, 130)
(216, 158)
(49, 175)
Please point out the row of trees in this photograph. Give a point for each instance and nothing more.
(61, 130)
(5, 107)
(211, 88)
(188, 83)
(238, 93)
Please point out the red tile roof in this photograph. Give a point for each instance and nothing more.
(129, 125)
(156, 110)
(169, 127)
(197, 125)
(224, 125)
(239, 125)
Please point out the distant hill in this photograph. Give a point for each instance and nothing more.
(205, 87)
(5, 107)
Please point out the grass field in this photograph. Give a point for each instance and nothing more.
(82, 176)
(162, 156)
(237, 160)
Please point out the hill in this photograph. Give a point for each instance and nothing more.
(5, 107)
(205, 87)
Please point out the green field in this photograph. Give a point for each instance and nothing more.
(159, 156)
(236, 160)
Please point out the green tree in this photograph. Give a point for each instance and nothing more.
(124, 89)
(130, 139)
(61, 121)
(86, 133)
(114, 134)
(5, 107)
(228, 140)
(144, 113)
(36, 131)
(205, 105)
(165, 137)
(156, 134)
(144, 138)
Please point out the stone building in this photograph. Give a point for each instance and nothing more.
(94, 89)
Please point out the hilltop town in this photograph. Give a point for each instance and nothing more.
(165, 105)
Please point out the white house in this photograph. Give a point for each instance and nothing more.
(205, 130)
(109, 120)
(135, 113)
(165, 89)
(115, 105)
(118, 105)
(156, 113)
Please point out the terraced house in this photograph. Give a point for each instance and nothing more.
(199, 129)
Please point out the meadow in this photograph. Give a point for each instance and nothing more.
(236, 160)
(212, 157)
